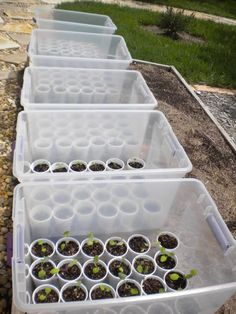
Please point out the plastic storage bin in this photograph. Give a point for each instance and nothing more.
(78, 50)
(73, 21)
(98, 135)
(68, 88)
(184, 207)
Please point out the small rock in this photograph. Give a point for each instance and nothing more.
(2, 247)
(6, 43)
(4, 230)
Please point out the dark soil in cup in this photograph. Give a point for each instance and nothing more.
(152, 285)
(97, 167)
(128, 289)
(50, 297)
(59, 169)
(92, 250)
(41, 167)
(42, 250)
(46, 266)
(116, 247)
(99, 294)
(78, 167)
(179, 284)
(73, 293)
(138, 244)
(168, 241)
(117, 267)
(114, 165)
(68, 272)
(136, 164)
(170, 262)
(89, 271)
(68, 248)
(144, 266)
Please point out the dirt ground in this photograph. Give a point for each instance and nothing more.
(214, 163)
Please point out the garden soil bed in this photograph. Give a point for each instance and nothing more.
(214, 163)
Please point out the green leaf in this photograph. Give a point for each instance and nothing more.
(174, 276)
(112, 242)
(90, 239)
(121, 269)
(161, 290)
(62, 246)
(43, 249)
(66, 234)
(193, 272)
(78, 283)
(162, 250)
(96, 259)
(42, 297)
(54, 271)
(146, 270)
(47, 290)
(42, 274)
(163, 258)
(96, 270)
(72, 263)
(139, 269)
(40, 242)
(102, 287)
(134, 291)
(122, 276)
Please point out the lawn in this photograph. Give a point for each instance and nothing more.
(225, 8)
(213, 63)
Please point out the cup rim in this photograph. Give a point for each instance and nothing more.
(115, 238)
(65, 261)
(44, 286)
(35, 263)
(140, 160)
(94, 280)
(165, 269)
(171, 234)
(78, 161)
(40, 221)
(176, 271)
(139, 235)
(155, 277)
(98, 284)
(119, 258)
(117, 160)
(46, 241)
(129, 280)
(38, 161)
(69, 284)
(88, 256)
(96, 161)
(148, 257)
(67, 239)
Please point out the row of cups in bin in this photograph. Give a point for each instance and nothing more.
(112, 164)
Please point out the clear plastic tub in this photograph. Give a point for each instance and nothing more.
(186, 209)
(66, 20)
(67, 136)
(78, 50)
(68, 88)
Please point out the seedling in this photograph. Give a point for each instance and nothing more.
(72, 263)
(161, 290)
(47, 290)
(78, 283)
(54, 271)
(66, 234)
(43, 248)
(175, 276)
(104, 288)
(134, 291)
(42, 297)
(90, 240)
(165, 254)
(139, 269)
(42, 274)
(112, 243)
(96, 268)
(121, 275)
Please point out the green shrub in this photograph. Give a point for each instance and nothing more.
(174, 21)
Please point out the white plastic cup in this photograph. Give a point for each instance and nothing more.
(62, 281)
(81, 193)
(131, 147)
(86, 95)
(91, 282)
(61, 256)
(100, 162)
(171, 234)
(138, 276)
(161, 271)
(133, 309)
(63, 148)
(128, 213)
(107, 214)
(119, 191)
(139, 191)
(44, 241)
(112, 96)
(73, 94)
(81, 148)
(152, 214)
(88, 257)
(131, 254)
(108, 254)
(41, 219)
(42, 93)
(99, 95)
(42, 148)
(113, 280)
(59, 94)
(38, 162)
(115, 147)
(38, 281)
(101, 195)
(98, 147)
(117, 161)
(154, 277)
(61, 197)
(72, 284)
(97, 286)
(63, 218)
(85, 212)
(135, 159)
(121, 282)
(175, 271)
(75, 162)
(41, 287)
(26, 167)
(57, 165)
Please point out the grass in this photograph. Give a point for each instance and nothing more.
(213, 63)
(225, 8)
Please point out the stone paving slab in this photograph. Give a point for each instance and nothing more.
(16, 58)
(22, 39)
(18, 14)
(17, 27)
(6, 43)
(6, 75)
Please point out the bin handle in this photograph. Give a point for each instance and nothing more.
(19, 244)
